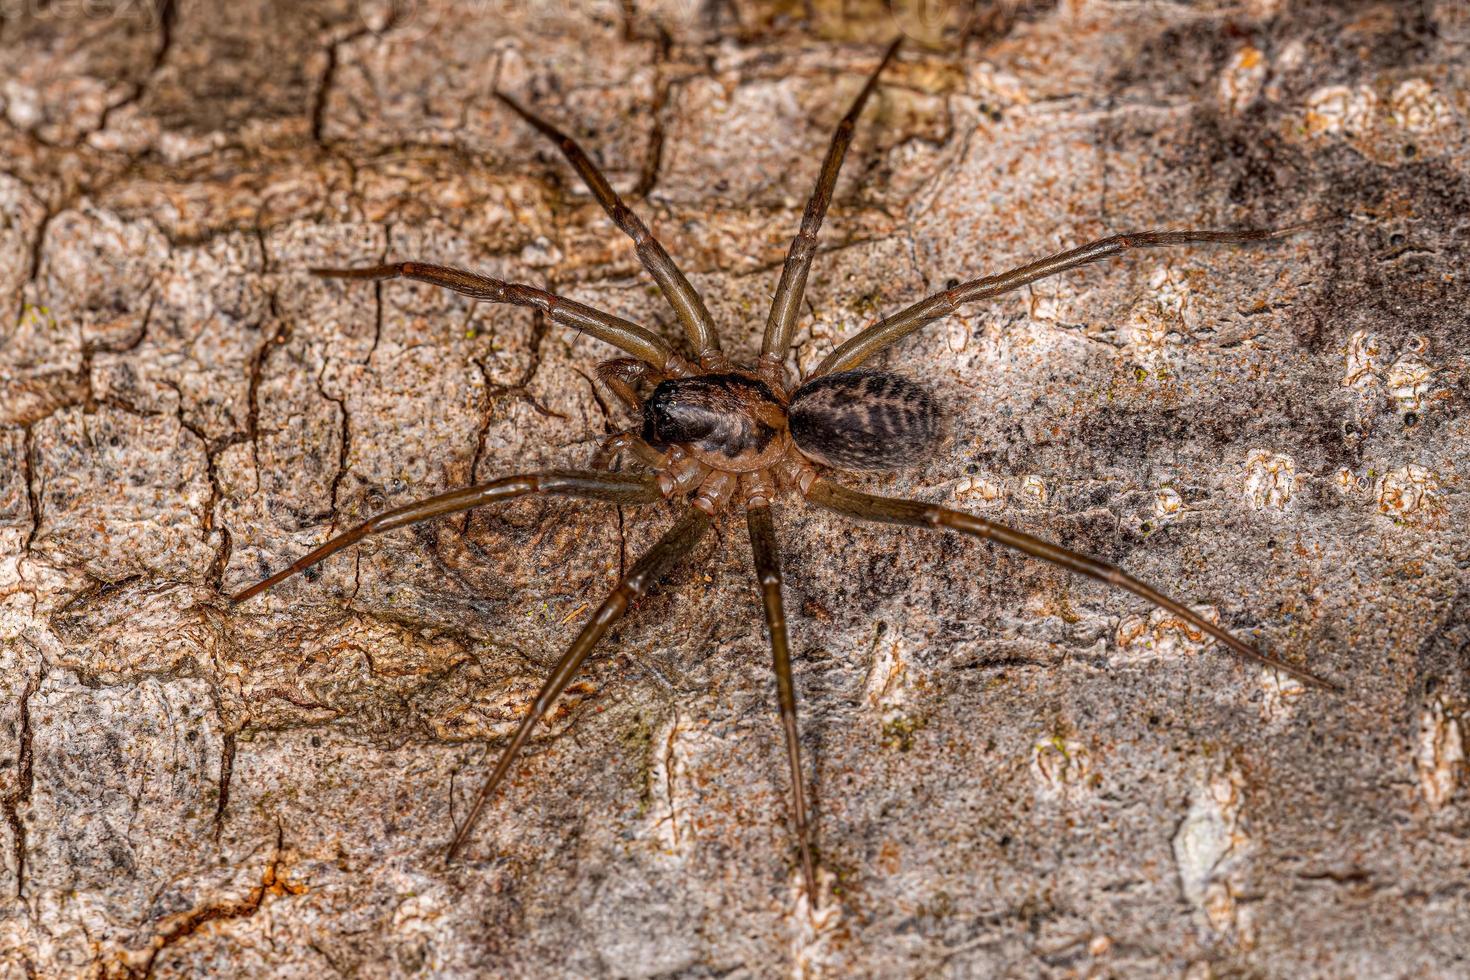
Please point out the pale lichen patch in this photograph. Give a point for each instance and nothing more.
(816, 928)
(1411, 121)
(1160, 635)
(1033, 490)
(1270, 480)
(1210, 850)
(1156, 321)
(1240, 82)
(1417, 107)
(1363, 354)
(1168, 504)
(1061, 766)
(886, 689)
(674, 745)
(1408, 383)
(1281, 694)
(956, 332)
(1050, 300)
(1440, 754)
(979, 491)
(1410, 493)
(1337, 110)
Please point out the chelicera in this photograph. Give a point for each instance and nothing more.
(721, 438)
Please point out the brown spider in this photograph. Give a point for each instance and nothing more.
(720, 436)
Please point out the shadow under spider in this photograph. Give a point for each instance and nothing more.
(723, 437)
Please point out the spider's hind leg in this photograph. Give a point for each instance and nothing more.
(768, 575)
(896, 510)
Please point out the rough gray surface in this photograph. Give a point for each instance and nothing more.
(1015, 772)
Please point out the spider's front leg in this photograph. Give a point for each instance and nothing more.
(620, 374)
(623, 334)
(614, 488)
(631, 443)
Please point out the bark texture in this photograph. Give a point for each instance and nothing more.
(1015, 772)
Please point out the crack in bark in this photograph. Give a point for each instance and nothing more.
(378, 291)
(38, 246)
(329, 79)
(344, 448)
(481, 438)
(167, 12)
(90, 350)
(25, 781)
(272, 883)
(610, 428)
(518, 389)
(226, 774)
(256, 367)
(33, 497)
(653, 158)
(216, 571)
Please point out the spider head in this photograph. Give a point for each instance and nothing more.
(730, 421)
(865, 420)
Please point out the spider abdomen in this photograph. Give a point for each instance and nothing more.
(864, 420)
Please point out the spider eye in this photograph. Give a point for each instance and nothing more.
(663, 423)
(713, 412)
(864, 420)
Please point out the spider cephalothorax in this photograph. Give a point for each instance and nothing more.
(717, 437)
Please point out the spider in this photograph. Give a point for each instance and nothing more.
(721, 437)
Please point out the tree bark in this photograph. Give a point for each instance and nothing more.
(1013, 771)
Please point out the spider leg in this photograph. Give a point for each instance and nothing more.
(676, 543)
(893, 510)
(619, 375)
(632, 444)
(892, 329)
(699, 327)
(612, 487)
(768, 575)
(622, 334)
(787, 303)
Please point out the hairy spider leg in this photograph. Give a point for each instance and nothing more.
(699, 327)
(621, 373)
(894, 510)
(786, 305)
(892, 329)
(655, 563)
(622, 334)
(614, 488)
(768, 576)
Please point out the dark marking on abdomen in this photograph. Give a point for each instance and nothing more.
(864, 420)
